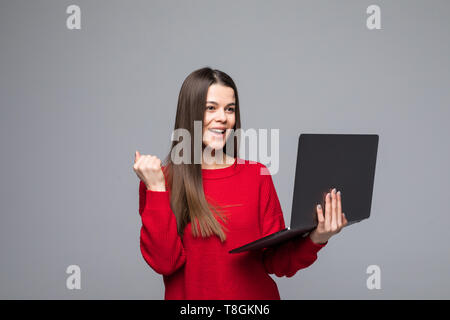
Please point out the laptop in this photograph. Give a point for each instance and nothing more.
(325, 161)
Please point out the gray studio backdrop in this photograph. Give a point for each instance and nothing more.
(76, 104)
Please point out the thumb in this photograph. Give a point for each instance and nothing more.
(320, 217)
(137, 155)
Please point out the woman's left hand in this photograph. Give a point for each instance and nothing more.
(334, 219)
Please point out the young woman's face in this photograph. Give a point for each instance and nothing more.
(219, 116)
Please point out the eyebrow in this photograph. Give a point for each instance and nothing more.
(230, 104)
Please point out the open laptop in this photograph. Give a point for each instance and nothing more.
(325, 161)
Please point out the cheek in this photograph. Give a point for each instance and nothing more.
(204, 132)
(206, 120)
(232, 120)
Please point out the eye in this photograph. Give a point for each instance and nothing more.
(231, 109)
(207, 107)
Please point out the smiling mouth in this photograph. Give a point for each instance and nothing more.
(216, 132)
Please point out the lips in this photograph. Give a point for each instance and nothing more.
(217, 130)
(217, 134)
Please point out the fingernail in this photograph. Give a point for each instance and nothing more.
(334, 190)
(319, 206)
(339, 193)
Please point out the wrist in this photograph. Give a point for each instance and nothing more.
(156, 188)
(317, 240)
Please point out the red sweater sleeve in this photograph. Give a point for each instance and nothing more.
(289, 257)
(160, 243)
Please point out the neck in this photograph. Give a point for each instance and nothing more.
(210, 161)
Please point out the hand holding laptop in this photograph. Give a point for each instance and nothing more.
(333, 221)
(353, 170)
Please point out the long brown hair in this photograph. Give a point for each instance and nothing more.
(187, 198)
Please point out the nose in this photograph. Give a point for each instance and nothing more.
(220, 115)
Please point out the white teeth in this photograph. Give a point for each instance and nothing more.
(217, 131)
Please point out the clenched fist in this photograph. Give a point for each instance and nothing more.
(148, 169)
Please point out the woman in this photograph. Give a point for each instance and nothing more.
(194, 213)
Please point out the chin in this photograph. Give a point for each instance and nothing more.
(215, 146)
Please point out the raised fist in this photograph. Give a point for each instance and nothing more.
(148, 169)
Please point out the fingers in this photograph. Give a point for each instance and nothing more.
(139, 161)
(344, 220)
(328, 211)
(339, 209)
(151, 162)
(146, 161)
(334, 219)
(137, 156)
(333, 211)
(320, 217)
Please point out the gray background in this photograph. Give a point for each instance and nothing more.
(76, 104)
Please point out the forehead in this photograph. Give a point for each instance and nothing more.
(220, 94)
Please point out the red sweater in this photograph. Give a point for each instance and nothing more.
(202, 268)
